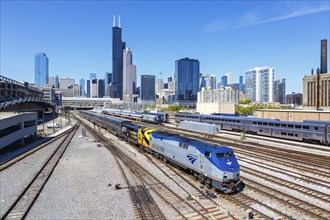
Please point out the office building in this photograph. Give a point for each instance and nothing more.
(208, 82)
(229, 78)
(92, 91)
(186, 82)
(147, 89)
(129, 76)
(54, 80)
(66, 83)
(279, 91)
(159, 85)
(224, 81)
(294, 99)
(41, 75)
(100, 88)
(259, 84)
(82, 87)
(107, 82)
(92, 76)
(118, 47)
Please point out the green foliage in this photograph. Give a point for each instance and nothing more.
(246, 101)
(249, 110)
(173, 108)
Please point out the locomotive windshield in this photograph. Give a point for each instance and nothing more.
(225, 155)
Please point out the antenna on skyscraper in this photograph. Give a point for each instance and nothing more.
(160, 75)
(119, 21)
(114, 21)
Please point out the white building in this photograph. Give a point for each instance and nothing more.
(66, 83)
(129, 76)
(260, 84)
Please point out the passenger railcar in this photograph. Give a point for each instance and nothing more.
(212, 164)
(307, 131)
(112, 124)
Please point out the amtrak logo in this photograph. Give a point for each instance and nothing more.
(192, 158)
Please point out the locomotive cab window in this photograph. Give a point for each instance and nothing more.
(207, 154)
(224, 155)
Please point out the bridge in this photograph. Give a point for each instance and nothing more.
(20, 96)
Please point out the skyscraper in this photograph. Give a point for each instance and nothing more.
(54, 80)
(147, 90)
(117, 61)
(259, 84)
(229, 78)
(279, 91)
(100, 88)
(41, 75)
(186, 82)
(129, 76)
(92, 76)
(107, 81)
(82, 87)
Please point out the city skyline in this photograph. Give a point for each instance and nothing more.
(285, 35)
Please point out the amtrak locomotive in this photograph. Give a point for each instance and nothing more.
(213, 165)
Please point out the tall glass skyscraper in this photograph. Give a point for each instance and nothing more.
(82, 87)
(186, 82)
(117, 61)
(147, 90)
(129, 76)
(41, 75)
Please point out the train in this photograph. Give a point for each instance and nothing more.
(213, 165)
(149, 118)
(311, 131)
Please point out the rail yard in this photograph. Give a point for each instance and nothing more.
(102, 176)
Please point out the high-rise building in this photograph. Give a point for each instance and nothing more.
(41, 75)
(92, 91)
(129, 76)
(259, 84)
(279, 91)
(82, 87)
(118, 47)
(92, 76)
(159, 85)
(229, 78)
(224, 80)
(107, 82)
(208, 82)
(54, 80)
(324, 57)
(186, 82)
(100, 88)
(147, 89)
(66, 83)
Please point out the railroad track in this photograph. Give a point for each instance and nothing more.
(185, 208)
(178, 176)
(309, 210)
(26, 199)
(312, 193)
(289, 173)
(10, 162)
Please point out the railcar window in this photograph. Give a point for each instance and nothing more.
(316, 128)
(283, 133)
(271, 124)
(290, 134)
(185, 146)
(298, 126)
(283, 125)
(224, 155)
(264, 123)
(259, 123)
(277, 125)
(290, 126)
(180, 144)
(254, 122)
(306, 127)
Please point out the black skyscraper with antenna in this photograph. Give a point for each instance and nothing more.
(117, 61)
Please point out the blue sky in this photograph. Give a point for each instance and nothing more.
(225, 36)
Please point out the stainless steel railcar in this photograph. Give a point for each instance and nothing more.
(307, 131)
(112, 124)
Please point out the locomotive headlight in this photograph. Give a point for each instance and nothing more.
(225, 175)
